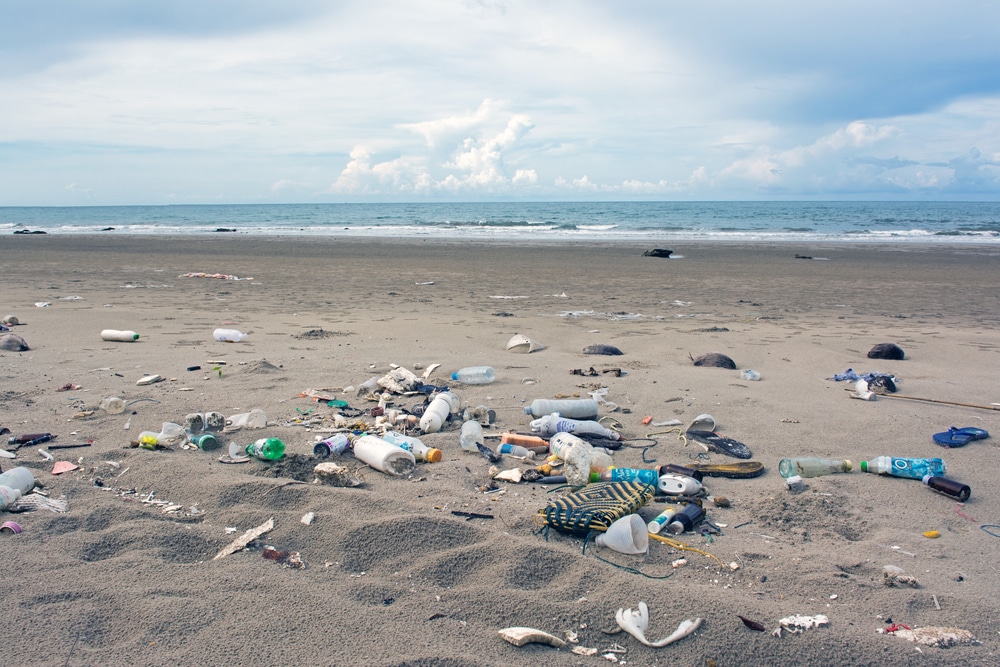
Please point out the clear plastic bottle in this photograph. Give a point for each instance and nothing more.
(228, 335)
(811, 466)
(475, 375)
(571, 408)
(948, 487)
(266, 449)
(335, 444)
(514, 450)
(627, 475)
(911, 468)
(471, 436)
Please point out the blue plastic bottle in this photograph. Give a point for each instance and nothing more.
(904, 467)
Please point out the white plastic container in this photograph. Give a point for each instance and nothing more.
(678, 485)
(384, 456)
(436, 414)
(113, 405)
(228, 335)
(475, 375)
(471, 435)
(19, 478)
(120, 336)
(572, 408)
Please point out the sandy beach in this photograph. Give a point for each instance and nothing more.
(392, 576)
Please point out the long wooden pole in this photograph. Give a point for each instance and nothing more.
(934, 400)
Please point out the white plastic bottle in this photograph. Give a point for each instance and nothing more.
(471, 436)
(514, 450)
(475, 375)
(573, 408)
(120, 336)
(436, 414)
(228, 335)
(15, 483)
(549, 425)
(384, 456)
(415, 446)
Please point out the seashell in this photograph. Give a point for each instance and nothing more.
(519, 636)
(608, 350)
(886, 351)
(715, 360)
(636, 622)
(13, 343)
(150, 379)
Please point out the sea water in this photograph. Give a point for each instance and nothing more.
(658, 222)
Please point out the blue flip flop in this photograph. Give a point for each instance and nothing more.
(959, 437)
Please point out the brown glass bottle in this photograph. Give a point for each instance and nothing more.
(948, 487)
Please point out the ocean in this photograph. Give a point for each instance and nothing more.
(655, 222)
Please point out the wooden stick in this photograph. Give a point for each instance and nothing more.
(934, 400)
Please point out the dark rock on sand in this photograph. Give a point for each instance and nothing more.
(28, 231)
(716, 360)
(886, 351)
(658, 252)
(609, 350)
(13, 343)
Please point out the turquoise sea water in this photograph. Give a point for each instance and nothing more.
(926, 222)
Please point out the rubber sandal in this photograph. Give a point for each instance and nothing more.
(741, 470)
(717, 443)
(959, 437)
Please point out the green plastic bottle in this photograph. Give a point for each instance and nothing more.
(266, 449)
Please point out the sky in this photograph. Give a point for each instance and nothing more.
(114, 102)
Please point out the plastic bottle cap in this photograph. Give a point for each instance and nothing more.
(434, 455)
(864, 466)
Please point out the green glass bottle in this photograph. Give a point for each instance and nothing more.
(266, 449)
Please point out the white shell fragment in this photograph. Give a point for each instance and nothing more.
(519, 636)
(798, 623)
(636, 622)
(513, 475)
(308, 518)
(246, 538)
(937, 636)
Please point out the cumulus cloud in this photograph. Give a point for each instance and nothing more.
(475, 163)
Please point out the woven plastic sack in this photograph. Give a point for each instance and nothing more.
(595, 506)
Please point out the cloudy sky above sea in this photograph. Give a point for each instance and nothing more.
(243, 101)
